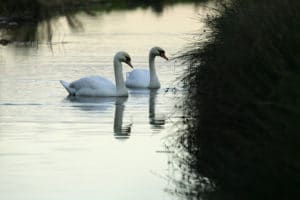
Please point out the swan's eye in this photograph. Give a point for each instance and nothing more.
(161, 52)
(127, 59)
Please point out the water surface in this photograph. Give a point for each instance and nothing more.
(55, 147)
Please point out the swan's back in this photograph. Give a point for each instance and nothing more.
(93, 86)
(138, 78)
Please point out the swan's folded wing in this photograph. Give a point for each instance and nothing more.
(139, 78)
(92, 82)
(94, 86)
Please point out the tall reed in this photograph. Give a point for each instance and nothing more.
(243, 105)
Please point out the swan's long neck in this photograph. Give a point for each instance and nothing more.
(154, 82)
(152, 65)
(120, 85)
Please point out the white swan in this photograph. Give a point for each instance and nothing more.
(142, 78)
(98, 86)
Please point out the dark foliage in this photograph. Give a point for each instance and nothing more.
(243, 105)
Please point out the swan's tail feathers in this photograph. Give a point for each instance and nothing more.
(67, 87)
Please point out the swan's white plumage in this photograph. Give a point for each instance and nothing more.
(142, 78)
(94, 86)
(97, 86)
(138, 78)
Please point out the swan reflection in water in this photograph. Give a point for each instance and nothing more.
(157, 121)
(102, 103)
(122, 130)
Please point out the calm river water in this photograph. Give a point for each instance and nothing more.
(53, 147)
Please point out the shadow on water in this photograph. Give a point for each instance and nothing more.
(26, 21)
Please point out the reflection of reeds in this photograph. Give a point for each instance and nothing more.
(243, 108)
(20, 19)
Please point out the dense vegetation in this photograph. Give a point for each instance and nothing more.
(243, 105)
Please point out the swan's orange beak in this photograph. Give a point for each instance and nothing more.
(129, 63)
(163, 55)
